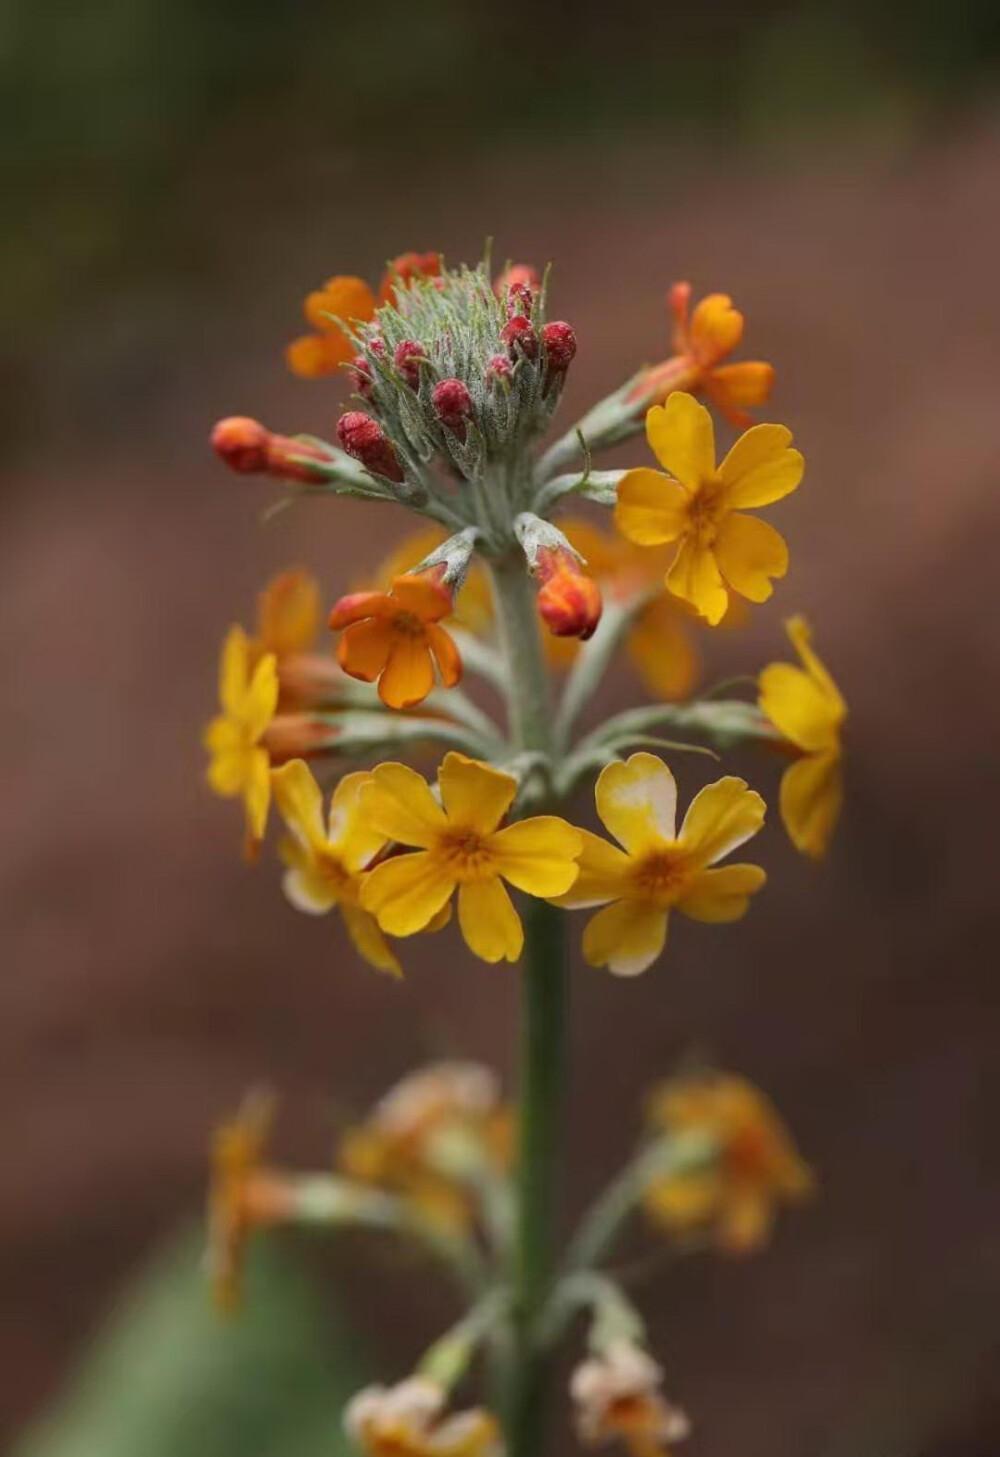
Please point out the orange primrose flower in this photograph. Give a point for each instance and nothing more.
(395, 637)
(345, 299)
(701, 341)
(473, 604)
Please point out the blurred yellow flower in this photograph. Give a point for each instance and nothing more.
(396, 637)
(425, 1132)
(244, 1195)
(325, 859)
(757, 1168)
(806, 706)
(461, 846)
(238, 763)
(701, 506)
(617, 1396)
(660, 869)
(407, 1421)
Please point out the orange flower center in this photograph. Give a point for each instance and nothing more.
(704, 510)
(465, 853)
(661, 875)
(408, 625)
(333, 871)
(748, 1154)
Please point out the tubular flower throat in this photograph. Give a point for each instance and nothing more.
(461, 846)
(326, 859)
(344, 299)
(239, 764)
(407, 1421)
(659, 869)
(417, 1137)
(396, 638)
(757, 1168)
(806, 706)
(244, 1195)
(701, 341)
(617, 1396)
(701, 506)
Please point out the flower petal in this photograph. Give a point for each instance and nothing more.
(364, 649)
(419, 593)
(401, 806)
(603, 869)
(357, 606)
(350, 829)
(261, 697)
(229, 769)
(406, 893)
(342, 297)
(796, 705)
(721, 816)
(538, 855)
(695, 577)
(681, 436)
(749, 553)
(661, 650)
(223, 736)
(408, 675)
(257, 794)
(234, 671)
(299, 801)
(716, 328)
(761, 468)
(446, 654)
(637, 802)
(368, 940)
(722, 894)
(743, 385)
(810, 800)
(801, 637)
(651, 508)
(475, 795)
(312, 356)
(626, 937)
(288, 613)
(306, 889)
(489, 922)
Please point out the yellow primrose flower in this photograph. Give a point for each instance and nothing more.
(701, 506)
(806, 706)
(239, 762)
(325, 859)
(244, 1195)
(658, 869)
(757, 1167)
(407, 1420)
(450, 1106)
(461, 846)
(617, 1395)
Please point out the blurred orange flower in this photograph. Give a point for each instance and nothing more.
(345, 299)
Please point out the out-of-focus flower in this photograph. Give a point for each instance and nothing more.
(239, 764)
(618, 1397)
(288, 621)
(733, 1198)
(659, 869)
(244, 1195)
(436, 1124)
(701, 506)
(461, 846)
(344, 299)
(396, 638)
(407, 1420)
(325, 858)
(806, 706)
(702, 340)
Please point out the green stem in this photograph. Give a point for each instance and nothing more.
(529, 693)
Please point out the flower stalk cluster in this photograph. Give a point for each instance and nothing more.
(457, 376)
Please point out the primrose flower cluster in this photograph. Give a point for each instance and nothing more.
(477, 647)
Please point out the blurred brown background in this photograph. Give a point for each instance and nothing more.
(179, 176)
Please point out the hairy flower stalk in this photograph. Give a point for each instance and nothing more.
(457, 378)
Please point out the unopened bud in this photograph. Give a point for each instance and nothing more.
(407, 358)
(296, 736)
(448, 564)
(519, 300)
(498, 369)
(520, 337)
(569, 602)
(250, 448)
(364, 439)
(361, 375)
(452, 405)
(558, 346)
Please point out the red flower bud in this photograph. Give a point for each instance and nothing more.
(520, 337)
(569, 602)
(452, 405)
(361, 375)
(364, 438)
(497, 368)
(250, 448)
(407, 359)
(558, 346)
(519, 300)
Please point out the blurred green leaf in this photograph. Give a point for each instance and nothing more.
(168, 1378)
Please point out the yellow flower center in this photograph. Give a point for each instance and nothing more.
(705, 510)
(661, 875)
(465, 853)
(334, 872)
